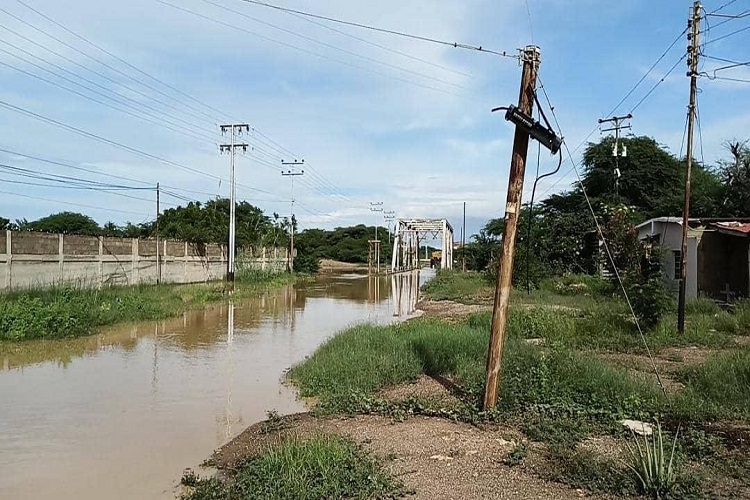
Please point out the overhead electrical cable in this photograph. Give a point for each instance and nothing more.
(607, 249)
(116, 144)
(106, 65)
(221, 115)
(380, 46)
(334, 47)
(75, 204)
(164, 123)
(478, 48)
(301, 49)
(98, 74)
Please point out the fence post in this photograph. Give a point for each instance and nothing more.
(134, 256)
(185, 263)
(101, 259)
(8, 260)
(61, 257)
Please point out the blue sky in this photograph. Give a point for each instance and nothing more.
(372, 125)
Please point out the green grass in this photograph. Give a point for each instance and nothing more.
(63, 312)
(717, 388)
(319, 467)
(565, 377)
(461, 287)
(365, 359)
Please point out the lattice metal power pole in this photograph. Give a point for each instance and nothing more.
(291, 173)
(693, 53)
(235, 130)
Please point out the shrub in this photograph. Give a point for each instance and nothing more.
(654, 470)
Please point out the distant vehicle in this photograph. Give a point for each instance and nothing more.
(435, 259)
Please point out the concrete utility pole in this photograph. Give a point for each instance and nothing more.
(376, 207)
(694, 22)
(531, 58)
(291, 173)
(389, 216)
(616, 151)
(235, 130)
(158, 264)
(463, 242)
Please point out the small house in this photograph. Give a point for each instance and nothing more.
(718, 255)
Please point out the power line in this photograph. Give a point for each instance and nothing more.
(172, 88)
(340, 49)
(645, 75)
(295, 47)
(375, 44)
(123, 61)
(727, 35)
(89, 81)
(657, 84)
(730, 2)
(617, 106)
(728, 79)
(55, 84)
(74, 204)
(606, 245)
(116, 144)
(98, 61)
(457, 45)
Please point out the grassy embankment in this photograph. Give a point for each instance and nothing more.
(588, 371)
(317, 467)
(64, 312)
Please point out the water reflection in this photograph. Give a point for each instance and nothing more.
(121, 413)
(405, 293)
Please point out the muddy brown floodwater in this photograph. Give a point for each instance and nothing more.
(120, 414)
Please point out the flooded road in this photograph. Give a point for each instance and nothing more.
(119, 415)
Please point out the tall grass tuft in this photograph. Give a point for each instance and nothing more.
(653, 468)
(322, 466)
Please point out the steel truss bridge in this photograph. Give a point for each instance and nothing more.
(409, 234)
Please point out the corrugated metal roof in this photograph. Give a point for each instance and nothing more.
(739, 228)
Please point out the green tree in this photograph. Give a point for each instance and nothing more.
(735, 178)
(65, 222)
(652, 179)
(209, 223)
(345, 244)
(6, 224)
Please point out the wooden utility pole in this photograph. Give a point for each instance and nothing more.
(693, 35)
(531, 58)
(158, 263)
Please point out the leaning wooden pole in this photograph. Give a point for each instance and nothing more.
(531, 59)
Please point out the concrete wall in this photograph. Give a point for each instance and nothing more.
(670, 238)
(30, 259)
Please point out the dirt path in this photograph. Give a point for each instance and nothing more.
(436, 458)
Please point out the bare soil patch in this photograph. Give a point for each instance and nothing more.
(449, 310)
(436, 458)
(328, 266)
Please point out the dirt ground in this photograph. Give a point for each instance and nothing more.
(328, 266)
(434, 457)
(448, 310)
